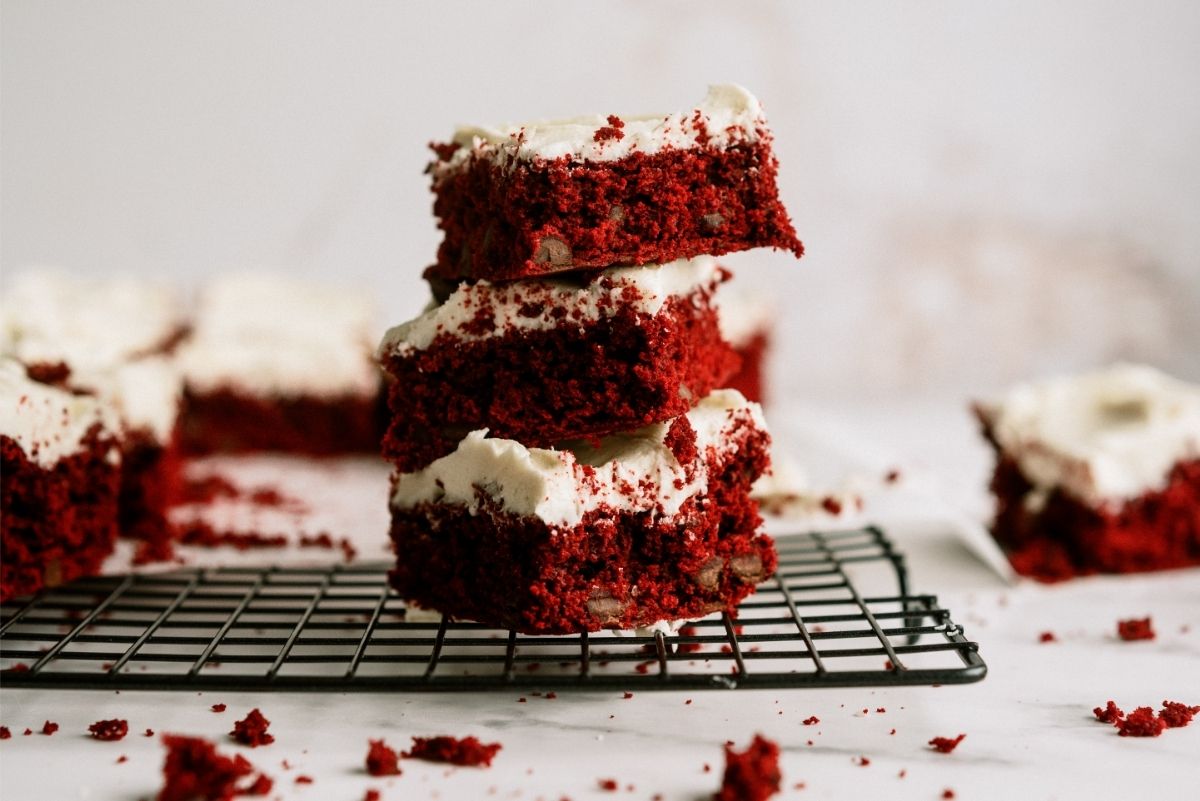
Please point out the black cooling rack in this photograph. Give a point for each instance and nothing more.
(338, 628)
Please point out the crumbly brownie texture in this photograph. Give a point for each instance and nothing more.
(649, 526)
(1108, 480)
(752, 775)
(59, 474)
(545, 360)
(589, 193)
(226, 420)
(274, 363)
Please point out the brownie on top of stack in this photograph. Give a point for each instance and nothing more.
(566, 459)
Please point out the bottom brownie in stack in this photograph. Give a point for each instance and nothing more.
(59, 479)
(641, 527)
(1097, 473)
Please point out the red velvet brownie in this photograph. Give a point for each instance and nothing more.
(1097, 473)
(746, 323)
(543, 360)
(589, 193)
(280, 364)
(59, 478)
(638, 528)
(111, 338)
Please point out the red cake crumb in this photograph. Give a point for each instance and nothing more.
(194, 770)
(467, 751)
(219, 707)
(109, 729)
(892, 476)
(947, 793)
(862, 761)
(49, 728)
(611, 131)
(122, 759)
(372, 795)
(1141, 722)
(148, 733)
(382, 760)
(1047, 636)
(252, 730)
(260, 786)
(609, 785)
(303, 779)
(28, 732)
(1176, 715)
(1111, 713)
(627, 696)
(1135, 629)
(944, 745)
(5, 733)
(200, 533)
(19, 667)
(812, 720)
(752, 775)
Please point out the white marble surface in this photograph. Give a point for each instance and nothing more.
(1028, 726)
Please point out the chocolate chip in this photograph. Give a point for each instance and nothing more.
(748, 568)
(605, 608)
(713, 221)
(617, 213)
(709, 577)
(553, 250)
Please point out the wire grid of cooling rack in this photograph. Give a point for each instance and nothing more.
(338, 627)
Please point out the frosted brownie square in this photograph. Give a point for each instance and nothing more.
(560, 357)
(280, 364)
(651, 525)
(1097, 472)
(113, 338)
(515, 201)
(59, 479)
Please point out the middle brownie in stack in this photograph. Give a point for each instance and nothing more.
(565, 457)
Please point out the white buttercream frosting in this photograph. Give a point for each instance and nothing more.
(1103, 437)
(630, 472)
(90, 324)
(728, 115)
(108, 332)
(743, 315)
(483, 310)
(48, 423)
(275, 336)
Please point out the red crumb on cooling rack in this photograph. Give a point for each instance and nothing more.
(1111, 713)
(465, 751)
(1135, 629)
(381, 759)
(1141, 722)
(944, 745)
(193, 769)
(252, 730)
(109, 729)
(752, 775)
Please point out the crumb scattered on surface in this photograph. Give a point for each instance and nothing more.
(109, 729)
(381, 759)
(467, 751)
(945, 745)
(252, 730)
(752, 775)
(1135, 629)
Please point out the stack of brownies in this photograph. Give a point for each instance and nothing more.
(565, 456)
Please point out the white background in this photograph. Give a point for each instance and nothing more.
(988, 191)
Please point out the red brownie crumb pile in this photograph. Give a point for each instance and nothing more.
(382, 760)
(1143, 722)
(467, 751)
(752, 775)
(252, 730)
(49, 727)
(109, 729)
(945, 745)
(1135, 629)
(194, 770)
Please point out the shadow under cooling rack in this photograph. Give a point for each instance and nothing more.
(339, 628)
